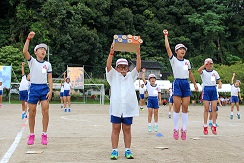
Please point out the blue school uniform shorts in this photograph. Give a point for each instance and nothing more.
(210, 93)
(118, 120)
(181, 87)
(23, 95)
(37, 92)
(152, 102)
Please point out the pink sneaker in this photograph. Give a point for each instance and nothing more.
(205, 130)
(31, 139)
(214, 130)
(44, 139)
(183, 134)
(176, 134)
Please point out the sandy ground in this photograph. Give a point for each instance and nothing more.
(83, 135)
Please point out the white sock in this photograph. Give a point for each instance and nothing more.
(231, 113)
(205, 125)
(155, 124)
(184, 120)
(115, 149)
(127, 149)
(176, 119)
(210, 121)
(238, 113)
(44, 133)
(149, 124)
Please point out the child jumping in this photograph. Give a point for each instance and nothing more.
(209, 78)
(40, 70)
(23, 90)
(235, 91)
(181, 88)
(123, 100)
(154, 99)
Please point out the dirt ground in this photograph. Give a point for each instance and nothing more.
(83, 135)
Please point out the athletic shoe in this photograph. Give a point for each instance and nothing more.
(205, 130)
(44, 139)
(62, 106)
(231, 116)
(169, 116)
(149, 128)
(217, 125)
(176, 134)
(214, 130)
(141, 109)
(24, 115)
(155, 128)
(183, 134)
(65, 110)
(239, 116)
(69, 110)
(210, 124)
(114, 155)
(129, 155)
(31, 139)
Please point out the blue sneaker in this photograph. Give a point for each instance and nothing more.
(24, 115)
(210, 124)
(149, 128)
(231, 116)
(65, 110)
(69, 110)
(129, 155)
(239, 116)
(217, 125)
(114, 155)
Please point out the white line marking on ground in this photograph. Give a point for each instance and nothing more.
(13, 147)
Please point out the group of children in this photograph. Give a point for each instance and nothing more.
(121, 82)
(37, 86)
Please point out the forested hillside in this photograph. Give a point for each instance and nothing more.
(79, 32)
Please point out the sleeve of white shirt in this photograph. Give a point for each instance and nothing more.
(189, 65)
(30, 62)
(134, 73)
(217, 76)
(159, 89)
(49, 70)
(109, 74)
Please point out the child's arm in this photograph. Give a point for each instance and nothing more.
(143, 75)
(159, 98)
(64, 75)
(50, 81)
(23, 68)
(193, 80)
(220, 84)
(26, 46)
(110, 58)
(240, 96)
(138, 60)
(167, 43)
(232, 79)
(201, 68)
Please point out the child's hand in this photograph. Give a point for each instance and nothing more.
(49, 96)
(23, 64)
(143, 70)
(112, 48)
(234, 74)
(31, 35)
(165, 32)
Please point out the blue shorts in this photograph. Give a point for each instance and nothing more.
(61, 94)
(170, 100)
(181, 87)
(234, 99)
(152, 102)
(141, 96)
(210, 93)
(66, 93)
(23, 95)
(37, 92)
(124, 120)
(1, 92)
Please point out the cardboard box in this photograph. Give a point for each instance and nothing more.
(127, 43)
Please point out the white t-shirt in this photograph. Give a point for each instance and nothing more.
(123, 100)
(234, 90)
(62, 89)
(152, 90)
(67, 86)
(142, 90)
(209, 77)
(1, 87)
(39, 71)
(180, 67)
(24, 84)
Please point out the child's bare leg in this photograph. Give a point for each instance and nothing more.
(150, 112)
(127, 135)
(45, 115)
(32, 115)
(155, 112)
(115, 135)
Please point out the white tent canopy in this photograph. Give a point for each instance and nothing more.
(225, 88)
